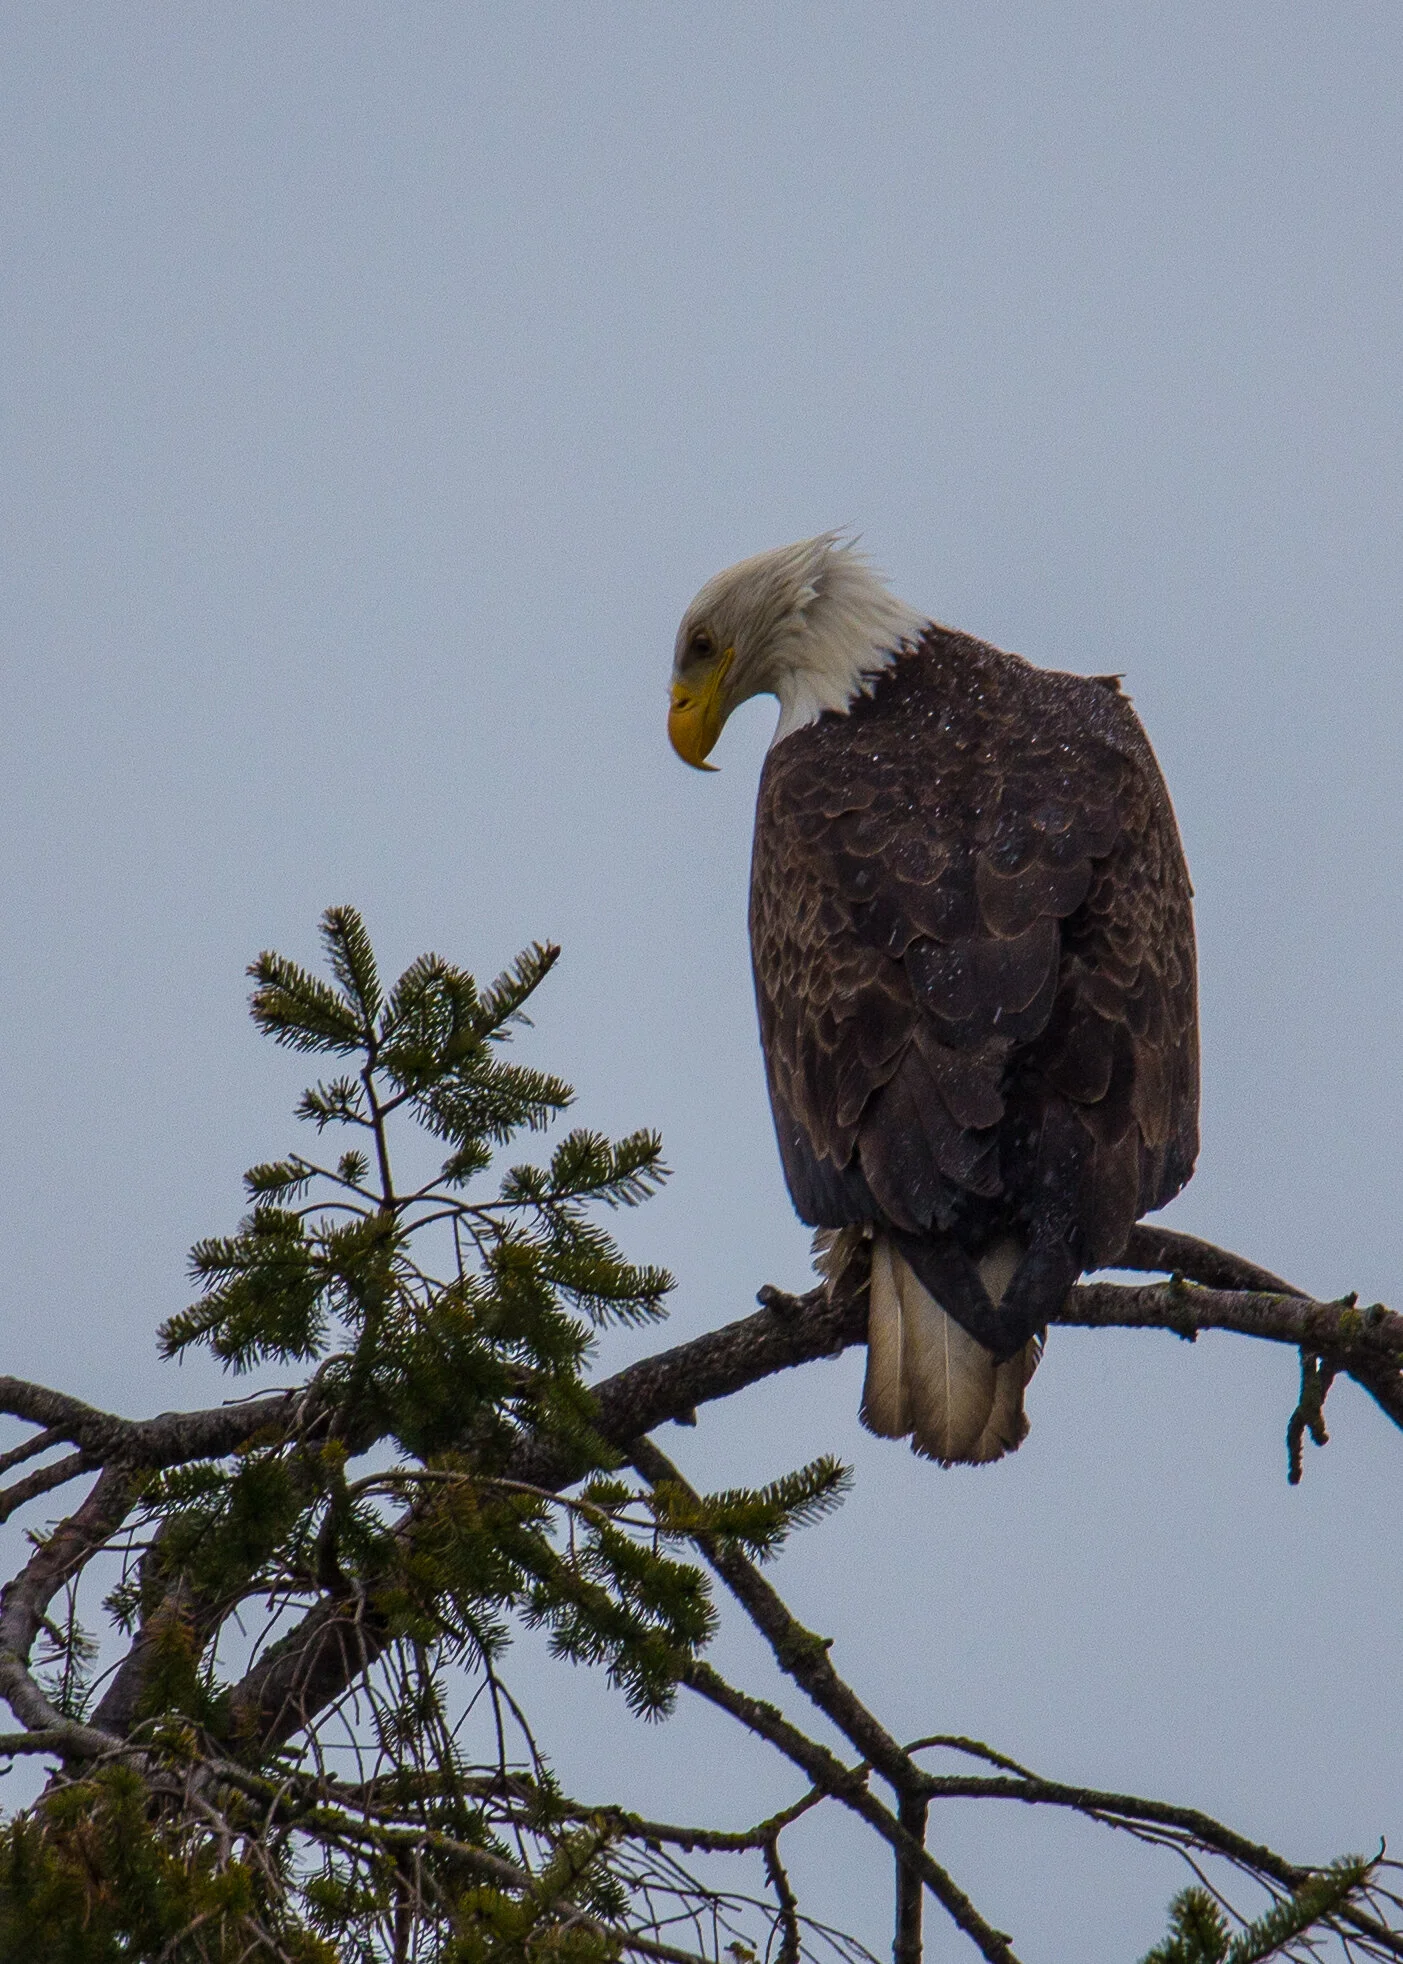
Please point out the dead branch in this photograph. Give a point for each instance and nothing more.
(337, 1639)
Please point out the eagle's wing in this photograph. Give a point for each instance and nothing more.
(973, 950)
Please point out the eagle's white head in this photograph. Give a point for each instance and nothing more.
(810, 623)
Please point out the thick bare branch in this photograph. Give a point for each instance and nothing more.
(1159, 1250)
(790, 1330)
(169, 1439)
(25, 1600)
(43, 1480)
(31, 1449)
(299, 1676)
(1347, 1333)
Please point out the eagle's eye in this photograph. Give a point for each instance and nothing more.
(701, 646)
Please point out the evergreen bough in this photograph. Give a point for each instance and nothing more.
(307, 1751)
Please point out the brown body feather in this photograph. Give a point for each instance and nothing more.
(974, 963)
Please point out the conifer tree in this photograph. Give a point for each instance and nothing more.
(303, 1745)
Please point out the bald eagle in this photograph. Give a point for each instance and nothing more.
(973, 946)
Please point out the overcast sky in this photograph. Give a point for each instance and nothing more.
(379, 385)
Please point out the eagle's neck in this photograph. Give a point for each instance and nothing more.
(852, 629)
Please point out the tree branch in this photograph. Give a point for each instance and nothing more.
(169, 1439)
(803, 1656)
(301, 1674)
(910, 1898)
(338, 1639)
(788, 1331)
(43, 1480)
(1183, 1827)
(25, 1600)
(1353, 1336)
(30, 1449)
(848, 1785)
(1160, 1250)
(789, 1947)
(715, 1841)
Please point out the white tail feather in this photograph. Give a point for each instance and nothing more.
(884, 1403)
(928, 1377)
(950, 1377)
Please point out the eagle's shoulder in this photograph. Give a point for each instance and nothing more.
(962, 743)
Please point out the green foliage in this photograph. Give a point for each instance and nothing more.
(1199, 1933)
(96, 1877)
(491, 1925)
(338, 1270)
(67, 1654)
(335, 1266)
(759, 1519)
(436, 1322)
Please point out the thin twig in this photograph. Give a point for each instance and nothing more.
(789, 1947)
(849, 1786)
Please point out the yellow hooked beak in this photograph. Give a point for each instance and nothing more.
(696, 716)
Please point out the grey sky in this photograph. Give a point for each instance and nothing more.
(380, 382)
